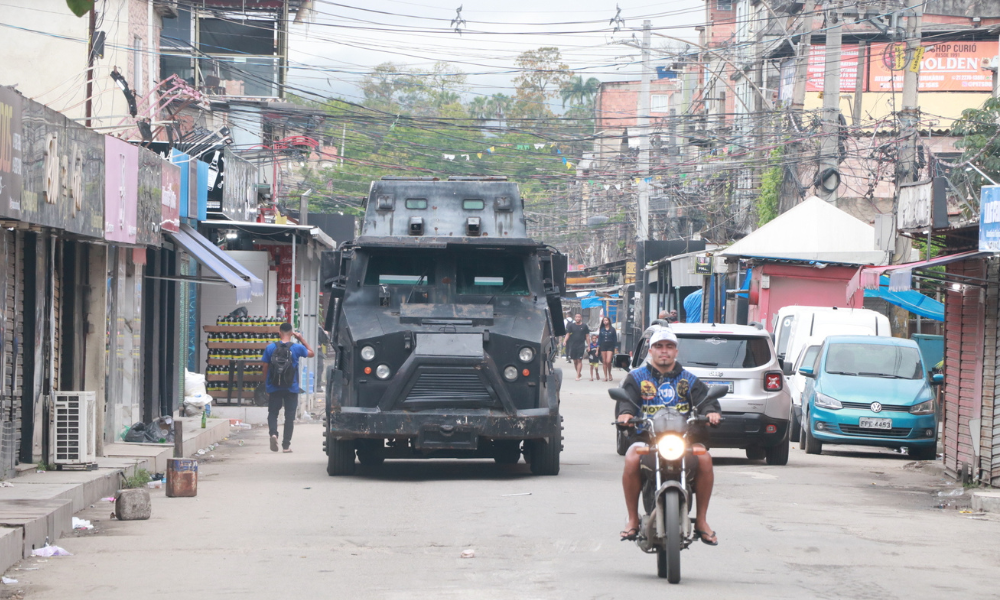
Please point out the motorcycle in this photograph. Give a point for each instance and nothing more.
(666, 528)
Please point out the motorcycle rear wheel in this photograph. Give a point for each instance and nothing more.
(668, 557)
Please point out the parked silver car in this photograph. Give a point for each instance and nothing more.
(758, 408)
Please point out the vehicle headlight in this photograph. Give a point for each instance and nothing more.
(924, 408)
(526, 354)
(824, 401)
(670, 447)
(367, 353)
(510, 373)
(382, 372)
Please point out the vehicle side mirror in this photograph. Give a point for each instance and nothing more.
(807, 371)
(937, 378)
(622, 361)
(787, 368)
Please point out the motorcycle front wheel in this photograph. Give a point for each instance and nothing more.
(668, 557)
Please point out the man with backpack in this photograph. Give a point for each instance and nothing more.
(281, 372)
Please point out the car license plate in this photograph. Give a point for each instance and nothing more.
(728, 384)
(869, 423)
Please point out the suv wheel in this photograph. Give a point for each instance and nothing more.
(756, 453)
(795, 427)
(544, 455)
(340, 457)
(778, 455)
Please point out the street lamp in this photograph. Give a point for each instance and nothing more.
(985, 176)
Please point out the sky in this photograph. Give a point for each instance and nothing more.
(345, 39)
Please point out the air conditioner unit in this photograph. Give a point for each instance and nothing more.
(72, 430)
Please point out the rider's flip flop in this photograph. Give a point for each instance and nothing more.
(630, 535)
(704, 535)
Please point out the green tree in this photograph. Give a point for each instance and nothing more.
(542, 75)
(579, 92)
(978, 136)
(770, 188)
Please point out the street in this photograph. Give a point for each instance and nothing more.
(847, 524)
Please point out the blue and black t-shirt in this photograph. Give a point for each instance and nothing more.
(678, 388)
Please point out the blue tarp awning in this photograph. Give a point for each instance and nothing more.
(911, 300)
(246, 284)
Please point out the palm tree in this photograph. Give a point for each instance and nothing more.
(498, 106)
(579, 92)
(479, 108)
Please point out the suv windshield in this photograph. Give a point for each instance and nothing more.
(874, 360)
(493, 274)
(728, 352)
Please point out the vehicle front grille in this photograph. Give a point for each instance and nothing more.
(856, 430)
(885, 407)
(449, 389)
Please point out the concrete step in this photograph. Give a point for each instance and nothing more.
(37, 521)
(986, 501)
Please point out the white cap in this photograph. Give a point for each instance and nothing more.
(663, 335)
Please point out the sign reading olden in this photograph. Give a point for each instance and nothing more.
(170, 197)
(121, 190)
(989, 219)
(947, 66)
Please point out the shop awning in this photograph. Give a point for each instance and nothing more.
(911, 300)
(901, 276)
(246, 284)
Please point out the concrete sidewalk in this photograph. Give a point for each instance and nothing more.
(39, 505)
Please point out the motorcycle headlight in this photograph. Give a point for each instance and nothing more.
(382, 372)
(824, 401)
(670, 447)
(924, 408)
(510, 373)
(526, 355)
(367, 353)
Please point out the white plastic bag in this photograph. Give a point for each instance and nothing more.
(195, 405)
(194, 384)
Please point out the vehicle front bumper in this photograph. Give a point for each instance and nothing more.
(922, 428)
(358, 423)
(741, 430)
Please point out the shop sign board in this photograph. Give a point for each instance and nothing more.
(816, 69)
(989, 218)
(943, 67)
(170, 196)
(10, 151)
(239, 187)
(148, 205)
(188, 192)
(62, 173)
(121, 190)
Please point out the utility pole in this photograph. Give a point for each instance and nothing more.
(802, 58)
(828, 178)
(909, 116)
(642, 223)
(88, 99)
(859, 82)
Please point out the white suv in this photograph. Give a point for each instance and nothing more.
(758, 407)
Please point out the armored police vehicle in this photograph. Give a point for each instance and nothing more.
(445, 317)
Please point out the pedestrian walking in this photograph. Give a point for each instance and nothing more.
(607, 341)
(576, 343)
(281, 373)
(593, 355)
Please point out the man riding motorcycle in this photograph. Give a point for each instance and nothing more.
(662, 382)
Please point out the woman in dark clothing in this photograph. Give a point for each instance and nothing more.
(607, 341)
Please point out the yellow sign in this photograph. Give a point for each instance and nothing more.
(630, 272)
(918, 55)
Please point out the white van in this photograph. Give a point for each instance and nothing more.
(801, 328)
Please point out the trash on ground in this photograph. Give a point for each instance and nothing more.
(82, 524)
(108, 499)
(6, 484)
(50, 551)
(520, 494)
(8, 580)
(155, 484)
(469, 553)
(951, 493)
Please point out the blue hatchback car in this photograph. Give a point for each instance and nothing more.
(869, 391)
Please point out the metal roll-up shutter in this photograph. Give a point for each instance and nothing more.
(11, 384)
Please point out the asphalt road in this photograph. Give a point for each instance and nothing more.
(847, 524)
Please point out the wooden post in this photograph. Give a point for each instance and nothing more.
(178, 438)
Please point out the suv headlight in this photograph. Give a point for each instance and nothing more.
(367, 353)
(382, 371)
(526, 355)
(670, 447)
(824, 401)
(510, 373)
(924, 408)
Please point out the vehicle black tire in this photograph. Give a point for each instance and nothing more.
(670, 555)
(777, 456)
(795, 427)
(621, 441)
(340, 457)
(756, 453)
(545, 455)
(924, 453)
(811, 444)
(370, 453)
(506, 452)
(802, 435)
